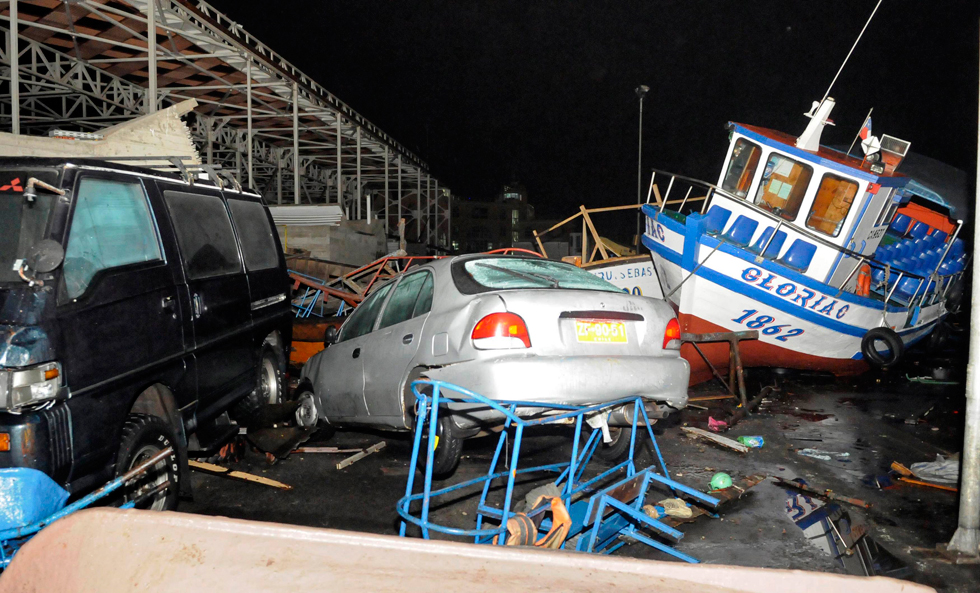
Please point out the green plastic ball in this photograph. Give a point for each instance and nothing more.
(720, 481)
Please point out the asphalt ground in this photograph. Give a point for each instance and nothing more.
(865, 417)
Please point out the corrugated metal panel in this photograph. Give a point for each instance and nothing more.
(327, 214)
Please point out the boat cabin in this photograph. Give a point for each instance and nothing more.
(824, 213)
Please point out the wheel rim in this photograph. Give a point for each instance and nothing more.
(269, 381)
(153, 477)
(306, 412)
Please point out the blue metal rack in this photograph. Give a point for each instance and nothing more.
(603, 515)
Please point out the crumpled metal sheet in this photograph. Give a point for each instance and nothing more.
(27, 496)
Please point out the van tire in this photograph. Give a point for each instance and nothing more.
(270, 389)
(143, 436)
(891, 339)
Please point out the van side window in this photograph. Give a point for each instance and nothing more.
(255, 234)
(362, 320)
(204, 234)
(112, 226)
(401, 305)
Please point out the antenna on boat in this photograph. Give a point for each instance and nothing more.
(844, 63)
(820, 111)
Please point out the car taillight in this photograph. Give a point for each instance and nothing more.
(672, 335)
(500, 330)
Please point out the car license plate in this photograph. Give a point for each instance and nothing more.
(603, 332)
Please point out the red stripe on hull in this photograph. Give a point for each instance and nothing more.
(754, 353)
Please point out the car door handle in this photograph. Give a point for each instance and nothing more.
(407, 338)
(198, 306)
(356, 353)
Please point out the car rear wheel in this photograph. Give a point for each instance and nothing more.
(449, 449)
(617, 449)
(143, 436)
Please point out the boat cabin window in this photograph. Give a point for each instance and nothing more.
(830, 207)
(888, 210)
(741, 168)
(783, 186)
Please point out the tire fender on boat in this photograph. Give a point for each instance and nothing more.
(874, 356)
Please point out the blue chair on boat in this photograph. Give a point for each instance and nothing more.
(907, 286)
(939, 236)
(716, 219)
(741, 231)
(773, 250)
(877, 275)
(900, 224)
(957, 248)
(799, 255)
(919, 230)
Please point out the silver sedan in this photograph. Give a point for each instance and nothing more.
(506, 327)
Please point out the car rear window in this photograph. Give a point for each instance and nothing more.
(507, 273)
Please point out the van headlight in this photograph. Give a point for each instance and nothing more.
(24, 387)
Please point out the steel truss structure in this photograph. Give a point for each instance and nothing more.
(88, 64)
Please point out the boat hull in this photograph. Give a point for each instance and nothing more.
(803, 324)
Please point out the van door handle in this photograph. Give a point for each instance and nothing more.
(198, 306)
(168, 304)
(356, 353)
(407, 338)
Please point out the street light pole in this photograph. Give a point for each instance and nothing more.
(641, 92)
(966, 540)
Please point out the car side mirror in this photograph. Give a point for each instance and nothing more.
(330, 336)
(46, 256)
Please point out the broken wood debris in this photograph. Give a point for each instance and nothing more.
(906, 475)
(714, 438)
(325, 450)
(826, 494)
(355, 458)
(217, 470)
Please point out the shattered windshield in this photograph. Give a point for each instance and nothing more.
(501, 273)
(22, 224)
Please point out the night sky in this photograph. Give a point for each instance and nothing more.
(543, 92)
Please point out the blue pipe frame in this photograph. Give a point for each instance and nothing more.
(631, 519)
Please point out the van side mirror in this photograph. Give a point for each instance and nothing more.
(46, 256)
(330, 336)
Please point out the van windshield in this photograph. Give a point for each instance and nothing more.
(22, 223)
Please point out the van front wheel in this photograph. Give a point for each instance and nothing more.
(144, 436)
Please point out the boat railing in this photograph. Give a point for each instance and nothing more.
(935, 285)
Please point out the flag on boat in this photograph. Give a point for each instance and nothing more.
(866, 129)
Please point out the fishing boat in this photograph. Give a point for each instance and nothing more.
(839, 262)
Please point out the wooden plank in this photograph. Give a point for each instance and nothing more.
(612, 208)
(715, 438)
(325, 450)
(355, 458)
(656, 194)
(540, 244)
(224, 472)
(927, 484)
(706, 398)
(595, 234)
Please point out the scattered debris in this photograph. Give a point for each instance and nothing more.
(734, 492)
(910, 476)
(930, 381)
(714, 438)
(827, 494)
(697, 407)
(217, 470)
(823, 455)
(753, 442)
(942, 470)
(359, 456)
(278, 442)
(720, 481)
(325, 450)
(717, 425)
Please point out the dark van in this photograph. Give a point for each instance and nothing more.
(137, 309)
